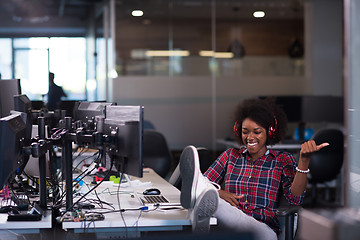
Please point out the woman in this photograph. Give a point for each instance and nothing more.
(253, 175)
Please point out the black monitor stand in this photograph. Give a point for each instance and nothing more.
(67, 154)
(42, 165)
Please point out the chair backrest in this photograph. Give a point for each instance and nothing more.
(205, 159)
(156, 153)
(148, 125)
(326, 164)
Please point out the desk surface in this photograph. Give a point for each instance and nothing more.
(156, 220)
(27, 226)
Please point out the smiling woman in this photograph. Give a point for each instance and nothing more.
(253, 175)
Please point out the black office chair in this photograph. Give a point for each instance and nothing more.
(205, 158)
(287, 215)
(156, 153)
(325, 165)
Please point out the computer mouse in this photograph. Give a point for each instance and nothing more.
(152, 191)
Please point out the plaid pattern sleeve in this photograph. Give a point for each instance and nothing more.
(258, 180)
(288, 174)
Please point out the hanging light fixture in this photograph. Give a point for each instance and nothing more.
(259, 14)
(137, 13)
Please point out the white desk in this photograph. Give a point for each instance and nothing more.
(25, 226)
(132, 222)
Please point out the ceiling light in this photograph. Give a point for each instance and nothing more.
(137, 13)
(165, 53)
(224, 55)
(259, 14)
(207, 53)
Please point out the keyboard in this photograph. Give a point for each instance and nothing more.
(154, 199)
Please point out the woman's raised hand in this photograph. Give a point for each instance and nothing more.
(309, 147)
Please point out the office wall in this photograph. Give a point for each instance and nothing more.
(181, 107)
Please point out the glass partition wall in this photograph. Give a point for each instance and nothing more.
(177, 38)
(190, 62)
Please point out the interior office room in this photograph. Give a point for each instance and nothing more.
(189, 64)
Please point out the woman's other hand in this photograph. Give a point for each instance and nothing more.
(231, 198)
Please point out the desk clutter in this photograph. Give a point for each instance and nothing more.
(106, 202)
(81, 173)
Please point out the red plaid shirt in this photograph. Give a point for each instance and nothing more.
(260, 181)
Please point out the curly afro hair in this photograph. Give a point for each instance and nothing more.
(265, 113)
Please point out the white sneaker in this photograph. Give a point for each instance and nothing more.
(205, 206)
(193, 182)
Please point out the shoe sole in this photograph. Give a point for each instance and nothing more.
(189, 162)
(205, 207)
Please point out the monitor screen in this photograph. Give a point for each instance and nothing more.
(329, 109)
(12, 135)
(125, 125)
(8, 88)
(290, 104)
(314, 109)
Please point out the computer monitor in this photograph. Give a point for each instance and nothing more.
(12, 135)
(311, 109)
(329, 109)
(314, 109)
(85, 112)
(23, 104)
(69, 106)
(37, 105)
(8, 88)
(124, 124)
(291, 106)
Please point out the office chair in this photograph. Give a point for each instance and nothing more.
(205, 158)
(156, 153)
(325, 165)
(287, 215)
